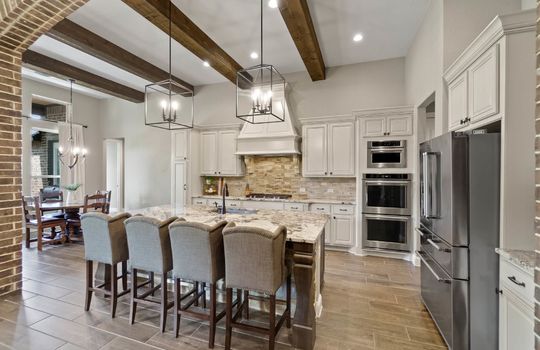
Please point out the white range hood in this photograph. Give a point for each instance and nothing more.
(269, 139)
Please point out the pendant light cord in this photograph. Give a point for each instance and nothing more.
(71, 103)
(170, 44)
(261, 32)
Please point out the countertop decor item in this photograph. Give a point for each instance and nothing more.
(260, 91)
(168, 104)
(71, 189)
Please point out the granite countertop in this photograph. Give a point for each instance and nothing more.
(301, 226)
(525, 259)
(307, 201)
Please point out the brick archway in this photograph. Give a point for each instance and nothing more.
(21, 23)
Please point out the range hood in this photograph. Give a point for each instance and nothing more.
(269, 139)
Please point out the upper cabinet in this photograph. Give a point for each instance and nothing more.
(328, 149)
(218, 154)
(391, 125)
(180, 144)
(473, 95)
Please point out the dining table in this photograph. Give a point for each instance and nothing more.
(71, 211)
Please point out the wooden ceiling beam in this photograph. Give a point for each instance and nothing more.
(188, 34)
(296, 15)
(63, 70)
(82, 39)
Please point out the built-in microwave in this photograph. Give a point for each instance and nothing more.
(387, 154)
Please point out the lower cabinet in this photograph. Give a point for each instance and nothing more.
(340, 229)
(516, 309)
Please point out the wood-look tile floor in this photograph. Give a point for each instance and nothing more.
(369, 303)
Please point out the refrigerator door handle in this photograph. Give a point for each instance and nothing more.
(431, 190)
(437, 277)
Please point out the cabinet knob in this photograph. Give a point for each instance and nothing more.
(331, 173)
(325, 173)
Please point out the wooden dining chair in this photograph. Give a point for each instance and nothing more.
(33, 218)
(92, 203)
(52, 195)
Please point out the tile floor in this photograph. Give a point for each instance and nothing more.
(369, 303)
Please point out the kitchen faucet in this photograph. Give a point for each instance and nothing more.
(224, 191)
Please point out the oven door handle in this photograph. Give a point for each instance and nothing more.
(421, 232)
(387, 182)
(437, 277)
(387, 217)
(438, 247)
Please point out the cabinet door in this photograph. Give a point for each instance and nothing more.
(457, 102)
(516, 323)
(228, 160)
(179, 186)
(484, 85)
(342, 230)
(180, 140)
(315, 150)
(374, 126)
(341, 149)
(209, 153)
(399, 125)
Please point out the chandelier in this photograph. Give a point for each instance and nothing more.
(73, 154)
(168, 104)
(260, 91)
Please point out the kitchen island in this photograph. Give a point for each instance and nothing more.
(305, 242)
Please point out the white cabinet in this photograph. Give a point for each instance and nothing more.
(218, 153)
(392, 125)
(179, 193)
(457, 102)
(516, 308)
(484, 85)
(328, 150)
(315, 150)
(340, 228)
(180, 144)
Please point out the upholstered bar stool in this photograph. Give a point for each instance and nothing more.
(149, 250)
(198, 256)
(106, 243)
(255, 261)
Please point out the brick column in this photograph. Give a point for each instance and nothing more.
(21, 23)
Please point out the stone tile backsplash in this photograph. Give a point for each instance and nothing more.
(283, 175)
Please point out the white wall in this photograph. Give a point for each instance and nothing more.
(346, 88)
(147, 159)
(86, 111)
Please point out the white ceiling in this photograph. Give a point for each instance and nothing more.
(388, 27)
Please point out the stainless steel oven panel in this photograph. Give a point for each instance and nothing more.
(453, 260)
(385, 244)
(387, 144)
(387, 210)
(447, 301)
(402, 158)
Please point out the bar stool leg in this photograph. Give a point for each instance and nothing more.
(213, 304)
(114, 288)
(196, 303)
(289, 283)
(228, 323)
(203, 285)
(246, 304)
(89, 284)
(124, 276)
(163, 301)
(177, 305)
(133, 305)
(152, 282)
(272, 323)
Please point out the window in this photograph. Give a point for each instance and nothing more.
(45, 163)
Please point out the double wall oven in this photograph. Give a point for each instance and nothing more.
(387, 208)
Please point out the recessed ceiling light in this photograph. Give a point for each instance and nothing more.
(254, 55)
(206, 64)
(358, 37)
(272, 4)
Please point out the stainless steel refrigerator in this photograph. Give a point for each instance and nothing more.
(459, 231)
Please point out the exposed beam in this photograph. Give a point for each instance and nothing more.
(296, 15)
(185, 32)
(63, 70)
(74, 35)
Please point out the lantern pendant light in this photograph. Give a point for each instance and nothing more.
(260, 91)
(73, 154)
(168, 104)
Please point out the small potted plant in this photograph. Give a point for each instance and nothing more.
(71, 189)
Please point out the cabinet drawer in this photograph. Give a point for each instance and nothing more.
(343, 209)
(519, 282)
(233, 203)
(199, 201)
(320, 208)
(294, 206)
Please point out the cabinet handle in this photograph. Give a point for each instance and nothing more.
(515, 281)
(341, 209)
(325, 173)
(331, 173)
(294, 208)
(219, 172)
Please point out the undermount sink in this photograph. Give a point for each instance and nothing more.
(243, 211)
